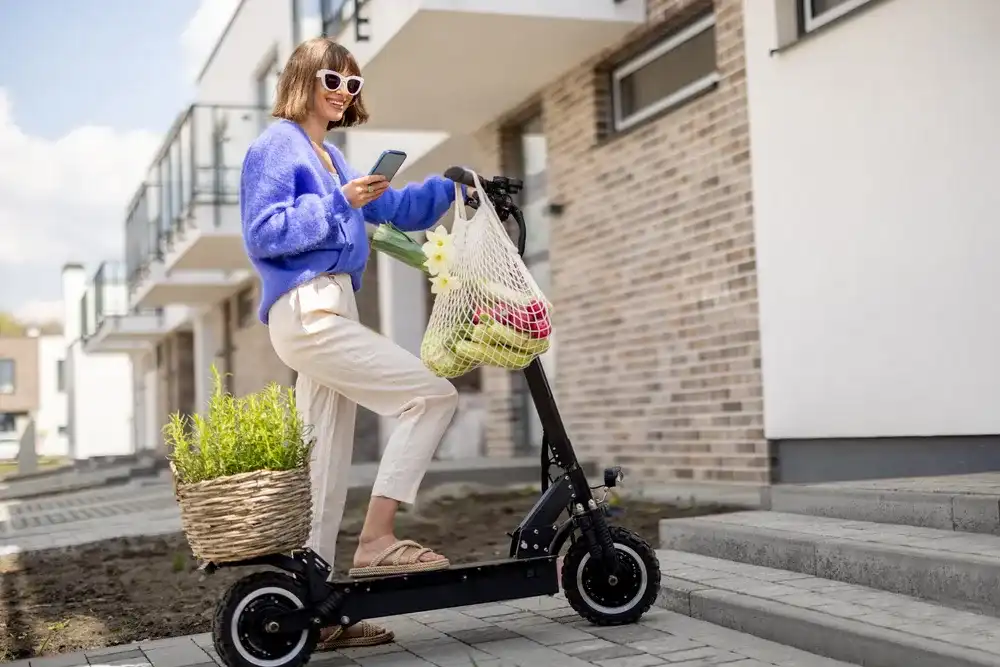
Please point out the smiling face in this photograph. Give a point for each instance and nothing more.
(321, 83)
(334, 93)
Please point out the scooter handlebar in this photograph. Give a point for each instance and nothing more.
(499, 191)
(460, 175)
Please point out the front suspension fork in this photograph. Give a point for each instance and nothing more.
(593, 525)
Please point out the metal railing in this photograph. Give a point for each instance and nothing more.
(107, 298)
(198, 164)
(109, 301)
(336, 14)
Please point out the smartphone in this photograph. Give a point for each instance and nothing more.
(388, 164)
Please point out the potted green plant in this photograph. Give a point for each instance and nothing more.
(241, 474)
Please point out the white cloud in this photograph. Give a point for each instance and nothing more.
(65, 200)
(203, 31)
(62, 200)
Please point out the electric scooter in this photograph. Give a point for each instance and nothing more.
(610, 575)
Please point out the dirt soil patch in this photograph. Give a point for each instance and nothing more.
(133, 589)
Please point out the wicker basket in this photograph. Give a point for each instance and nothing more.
(246, 515)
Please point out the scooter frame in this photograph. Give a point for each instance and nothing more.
(531, 568)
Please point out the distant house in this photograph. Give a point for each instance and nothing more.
(32, 393)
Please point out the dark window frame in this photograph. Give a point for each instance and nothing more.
(811, 20)
(670, 42)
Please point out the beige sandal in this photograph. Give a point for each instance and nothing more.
(371, 635)
(410, 564)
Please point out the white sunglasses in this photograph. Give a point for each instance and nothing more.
(333, 81)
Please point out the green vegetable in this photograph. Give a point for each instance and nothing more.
(493, 355)
(390, 240)
(491, 332)
(463, 331)
(436, 353)
(446, 363)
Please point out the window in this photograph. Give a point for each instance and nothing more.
(7, 376)
(334, 14)
(672, 71)
(8, 424)
(817, 13)
(61, 375)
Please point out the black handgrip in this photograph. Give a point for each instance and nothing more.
(522, 232)
(460, 175)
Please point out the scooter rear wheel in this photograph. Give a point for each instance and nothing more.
(603, 600)
(238, 631)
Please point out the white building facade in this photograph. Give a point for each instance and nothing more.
(98, 383)
(822, 308)
(873, 136)
(190, 294)
(52, 421)
(763, 224)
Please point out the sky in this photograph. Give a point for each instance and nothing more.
(88, 88)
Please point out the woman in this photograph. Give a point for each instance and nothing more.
(304, 211)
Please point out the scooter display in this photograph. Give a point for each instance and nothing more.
(610, 575)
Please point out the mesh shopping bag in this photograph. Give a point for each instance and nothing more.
(488, 309)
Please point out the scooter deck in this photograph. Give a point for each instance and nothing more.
(457, 586)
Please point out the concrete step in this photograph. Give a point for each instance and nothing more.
(957, 569)
(846, 622)
(969, 503)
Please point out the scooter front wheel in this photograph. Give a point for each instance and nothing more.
(239, 633)
(612, 600)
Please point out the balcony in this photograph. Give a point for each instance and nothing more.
(182, 231)
(107, 325)
(443, 65)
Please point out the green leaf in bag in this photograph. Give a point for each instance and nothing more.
(390, 240)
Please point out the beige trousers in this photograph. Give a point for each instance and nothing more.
(341, 363)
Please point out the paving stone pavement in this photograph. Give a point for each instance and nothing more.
(523, 633)
(57, 483)
(141, 507)
(22, 518)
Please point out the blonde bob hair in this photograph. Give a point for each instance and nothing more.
(297, 83)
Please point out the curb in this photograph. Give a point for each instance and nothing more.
(832, 637)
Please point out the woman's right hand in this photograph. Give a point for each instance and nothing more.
(364, 190)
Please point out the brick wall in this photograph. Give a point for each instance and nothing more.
(654, 279)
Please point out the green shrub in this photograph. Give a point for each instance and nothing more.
(262, 431)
